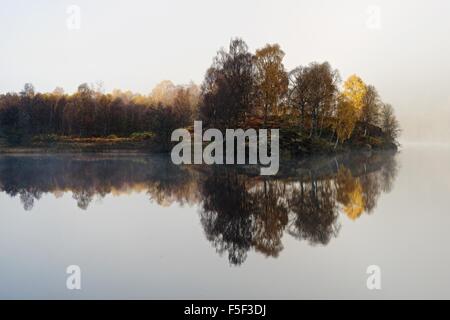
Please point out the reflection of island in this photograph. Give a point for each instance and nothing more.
(240, 211)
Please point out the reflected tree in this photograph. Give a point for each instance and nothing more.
(227, 214)
(270, 217)
(239, 211)
(313, 212)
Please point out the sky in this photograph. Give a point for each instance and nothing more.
(401, 47)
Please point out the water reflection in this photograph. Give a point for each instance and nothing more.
(239, 210)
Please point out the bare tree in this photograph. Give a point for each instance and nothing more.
(370, 112)
(313, 91)
(229, 86)
(389, 123)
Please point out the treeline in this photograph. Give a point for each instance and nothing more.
(91, 113)
(240, 89)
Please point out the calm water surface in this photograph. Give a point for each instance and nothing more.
(140, 227)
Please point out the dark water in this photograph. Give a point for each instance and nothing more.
(140, 227)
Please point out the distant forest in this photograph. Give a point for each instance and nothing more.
(241, 89)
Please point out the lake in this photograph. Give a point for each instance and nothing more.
(140, 227)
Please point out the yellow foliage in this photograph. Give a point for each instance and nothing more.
(355, 206)
(354, 91)
(350, 193)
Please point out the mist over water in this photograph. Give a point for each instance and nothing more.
(140, 227)
(426, 126)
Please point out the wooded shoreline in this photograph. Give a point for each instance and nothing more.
(130, 146)
(241, 89)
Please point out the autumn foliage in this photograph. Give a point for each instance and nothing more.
(309, 104)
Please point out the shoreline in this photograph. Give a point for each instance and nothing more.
(150, 150)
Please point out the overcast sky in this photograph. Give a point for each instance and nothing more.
(402, 47)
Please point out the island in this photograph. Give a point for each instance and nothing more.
(314, 111)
